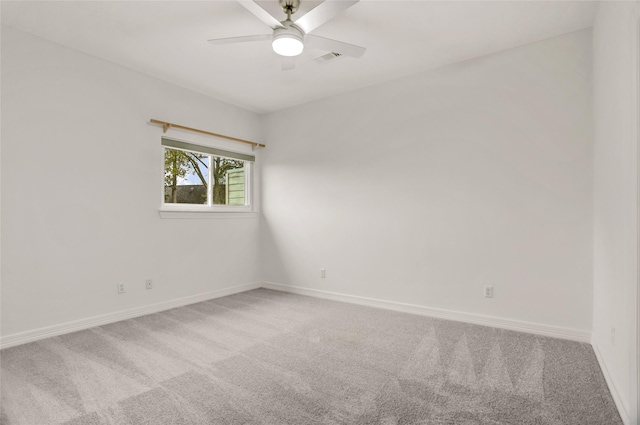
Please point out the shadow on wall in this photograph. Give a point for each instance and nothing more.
(272, 269)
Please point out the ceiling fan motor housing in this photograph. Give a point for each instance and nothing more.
(289, 6)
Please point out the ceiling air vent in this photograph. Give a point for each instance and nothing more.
(328, 57)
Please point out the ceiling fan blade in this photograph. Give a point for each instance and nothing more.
(336, 46)
(288, 63)
(241, 39)
(322, 13)
(261, 14)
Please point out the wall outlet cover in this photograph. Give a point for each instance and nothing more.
(488, 291)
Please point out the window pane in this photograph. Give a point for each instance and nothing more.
(228, 181)
(185, 177)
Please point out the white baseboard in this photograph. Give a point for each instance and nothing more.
(497, 322)
(478, 319)
(624, 414)
(90, 322)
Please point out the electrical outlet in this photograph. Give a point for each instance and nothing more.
(323, 273)
(488, 291)
(149, 284)
(120, 288)
(613, 336)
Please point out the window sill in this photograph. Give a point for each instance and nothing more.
(175, 213)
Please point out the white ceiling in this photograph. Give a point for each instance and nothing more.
(168, 39)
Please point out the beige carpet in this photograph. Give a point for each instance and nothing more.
(266, 357)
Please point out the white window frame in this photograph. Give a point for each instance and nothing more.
(168, 210)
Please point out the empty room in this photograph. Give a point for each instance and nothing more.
(319, 212)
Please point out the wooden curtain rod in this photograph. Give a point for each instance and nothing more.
(167, 125)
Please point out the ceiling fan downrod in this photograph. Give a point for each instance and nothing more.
(289, 7)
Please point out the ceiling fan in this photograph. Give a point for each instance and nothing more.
(289, 38)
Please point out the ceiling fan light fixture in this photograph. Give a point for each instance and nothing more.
(287, 41)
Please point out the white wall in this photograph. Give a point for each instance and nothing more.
(616, 198)
(425, 189)
(81, 176)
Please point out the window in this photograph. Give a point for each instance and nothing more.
(202, 178)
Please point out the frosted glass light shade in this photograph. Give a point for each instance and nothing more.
(287, 45)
